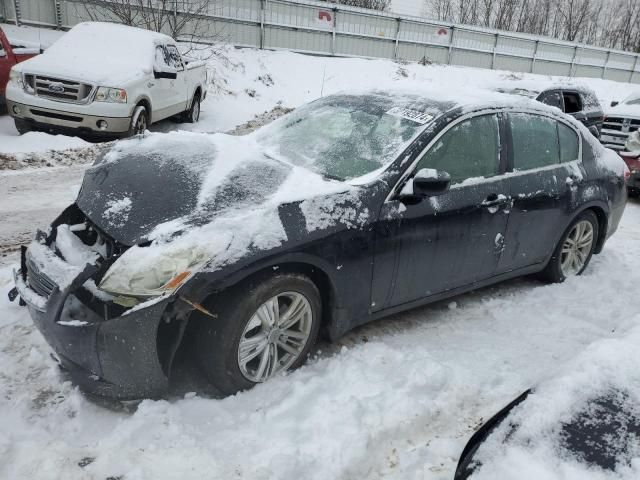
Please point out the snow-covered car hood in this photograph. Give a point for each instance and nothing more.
(623, 110)
(156, 187)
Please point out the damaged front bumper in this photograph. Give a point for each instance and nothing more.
(107, 350)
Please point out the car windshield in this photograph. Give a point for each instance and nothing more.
(343, 137)
(633, 99)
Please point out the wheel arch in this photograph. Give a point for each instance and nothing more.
(312, 267)
(146, 103)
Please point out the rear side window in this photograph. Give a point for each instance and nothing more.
(569, 149)
(470, 149)
(553, 98)
(535, 141)
(572, 102)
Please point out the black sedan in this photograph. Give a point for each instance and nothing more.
(353, 207)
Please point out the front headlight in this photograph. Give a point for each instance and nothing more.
(140, 273)
(16, 77)
(112, 95)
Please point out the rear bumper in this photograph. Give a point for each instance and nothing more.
(65, 122)
(110, 356)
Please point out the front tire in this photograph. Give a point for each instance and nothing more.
(22, 126)
(575, 249)
(139, 121)
(262, 329)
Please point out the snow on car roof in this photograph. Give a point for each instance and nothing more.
(98, 52)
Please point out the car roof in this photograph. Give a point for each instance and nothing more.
(440, 101)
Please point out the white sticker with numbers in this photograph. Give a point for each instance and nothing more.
(413, 115)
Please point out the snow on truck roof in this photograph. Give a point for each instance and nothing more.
(98, 52)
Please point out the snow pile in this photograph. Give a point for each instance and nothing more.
(529, 444)
(117, 211)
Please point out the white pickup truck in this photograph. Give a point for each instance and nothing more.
(105, 80)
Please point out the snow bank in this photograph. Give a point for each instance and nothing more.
(533, 449)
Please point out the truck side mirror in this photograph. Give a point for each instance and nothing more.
(165, 72)
(614, 103)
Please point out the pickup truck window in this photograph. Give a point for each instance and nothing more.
(174, 57)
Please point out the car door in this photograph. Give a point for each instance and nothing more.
(5, 65)
(544, 158)
(439, 243)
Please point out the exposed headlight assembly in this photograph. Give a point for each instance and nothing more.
(141, 273)
(111, 95)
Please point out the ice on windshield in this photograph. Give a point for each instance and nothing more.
(344, 137)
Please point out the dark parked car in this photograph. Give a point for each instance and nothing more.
(600, 434)
(351, 208)
(576, 100)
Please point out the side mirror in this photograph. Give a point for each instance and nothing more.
(594, 131)
(614, 103)
(430, 183)
(165, 72)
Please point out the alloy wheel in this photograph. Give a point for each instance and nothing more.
(576, 248)
(275, 336)
(141, 124)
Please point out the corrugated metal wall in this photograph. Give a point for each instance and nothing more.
(327, 29)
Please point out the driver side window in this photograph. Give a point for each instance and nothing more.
(470, 149)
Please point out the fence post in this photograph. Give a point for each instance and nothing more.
(535, 56)
(633, 70)
(573, 60)
(333, 31)
(495, 47)
(395, 49)
(450, 45)
(606, 62)
(262, 14)
(57, 10)
(16, 9)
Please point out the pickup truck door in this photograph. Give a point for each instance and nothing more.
(181, 91)
(166, 92)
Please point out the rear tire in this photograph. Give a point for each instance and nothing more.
(193, 114)
(22, 126)
(574, 250)
(139, 121)
(232, 347)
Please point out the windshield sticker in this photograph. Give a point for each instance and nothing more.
(413, 115)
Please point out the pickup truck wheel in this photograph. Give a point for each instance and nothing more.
(22, 126)
(193, 114)
(138, 121)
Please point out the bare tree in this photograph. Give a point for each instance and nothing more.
(184, 20)
(607, 23)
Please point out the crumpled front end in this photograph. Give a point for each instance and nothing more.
(111, 350)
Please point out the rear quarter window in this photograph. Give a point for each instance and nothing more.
(569, 141)
(534, 141)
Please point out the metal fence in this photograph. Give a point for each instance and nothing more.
(326, 29)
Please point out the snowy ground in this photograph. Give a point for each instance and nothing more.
(396, 399)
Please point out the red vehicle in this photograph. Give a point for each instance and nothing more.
(10, 54)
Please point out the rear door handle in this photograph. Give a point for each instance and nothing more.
(494, 200)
